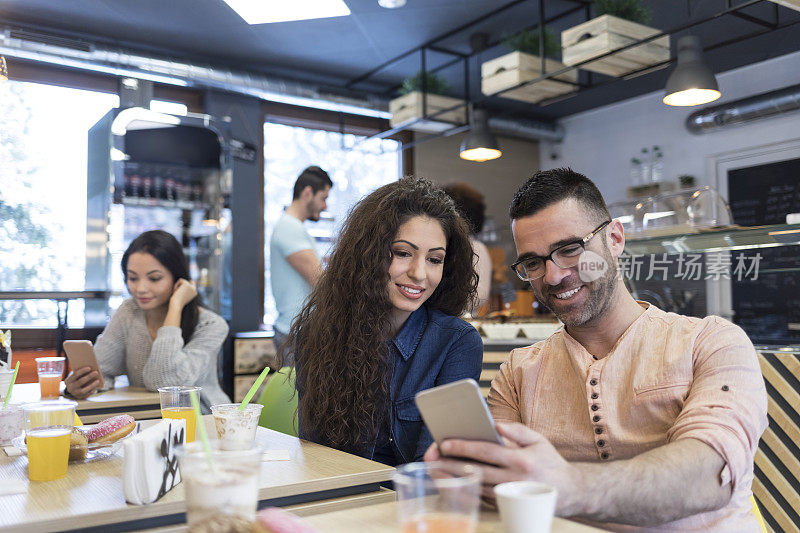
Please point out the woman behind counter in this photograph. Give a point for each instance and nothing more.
(381, 323)
(161, 336)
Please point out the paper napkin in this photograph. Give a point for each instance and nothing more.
(276, 455)
(150, 466)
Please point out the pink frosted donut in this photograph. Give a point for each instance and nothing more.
(111, 429)
(276, 520)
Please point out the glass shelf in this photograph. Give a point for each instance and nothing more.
(732, 238)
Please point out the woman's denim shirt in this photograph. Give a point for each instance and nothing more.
(431, 349)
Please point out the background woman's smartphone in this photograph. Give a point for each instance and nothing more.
(81, 354)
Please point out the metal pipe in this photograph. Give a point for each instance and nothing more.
(745, 110)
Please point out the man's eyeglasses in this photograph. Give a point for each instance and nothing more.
(533, 267)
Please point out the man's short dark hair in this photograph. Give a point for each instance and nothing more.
(548, 187)
(313, 177)
(469, 202)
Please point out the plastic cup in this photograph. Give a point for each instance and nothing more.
(48, 426)
(229, 487)
(12, 422)
(50, 370)
(5, 381)
(435, 498)
(176, 403)
(236, 429)
(526, 506)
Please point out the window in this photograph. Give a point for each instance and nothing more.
(356, 168)
(43, 150)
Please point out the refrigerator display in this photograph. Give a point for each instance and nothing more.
(150, 170)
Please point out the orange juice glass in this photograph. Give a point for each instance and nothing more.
(50, 370)
(176, 403)
(48, 425)
(437, 498)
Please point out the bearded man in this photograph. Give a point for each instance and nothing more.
(640, 418)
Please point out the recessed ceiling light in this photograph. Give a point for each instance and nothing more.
(391, 4)
(267, 11)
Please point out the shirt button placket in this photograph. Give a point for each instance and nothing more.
(594, 406)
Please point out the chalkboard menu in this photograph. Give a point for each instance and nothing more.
(768, 307)
(764, 194)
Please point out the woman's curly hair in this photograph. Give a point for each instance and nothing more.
(339, 338)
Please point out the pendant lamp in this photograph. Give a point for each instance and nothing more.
(479, 144)
(692, 82)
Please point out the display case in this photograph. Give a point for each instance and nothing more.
(150, 170)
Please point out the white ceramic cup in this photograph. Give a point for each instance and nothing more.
(526, 506)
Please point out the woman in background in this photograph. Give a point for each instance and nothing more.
(382, 323)
(470, 204)
(161, 336)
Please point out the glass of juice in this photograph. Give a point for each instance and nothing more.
(48, 425)
(228, 486)
(176, 403)
(50, 370)
(236, 428)
(437, 497)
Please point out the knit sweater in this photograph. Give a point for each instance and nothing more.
(125, 347)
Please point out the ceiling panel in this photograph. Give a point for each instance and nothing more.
(336, 50)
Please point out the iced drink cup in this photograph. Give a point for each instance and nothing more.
(434, 497)
(47, 428)
(236, 429)
(12, 422)
(176, 403)
(50, 370)
(229, 487)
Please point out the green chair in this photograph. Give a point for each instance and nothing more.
(279, 399)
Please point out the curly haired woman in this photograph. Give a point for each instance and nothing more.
(381, 324)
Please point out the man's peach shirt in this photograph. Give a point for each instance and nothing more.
(668, 377)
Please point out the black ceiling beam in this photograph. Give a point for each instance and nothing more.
(755, 20)
(442, 50)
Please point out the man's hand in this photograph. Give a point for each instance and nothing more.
(82, 382)
(527, 455)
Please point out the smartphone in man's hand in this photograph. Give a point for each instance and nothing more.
(457, 411)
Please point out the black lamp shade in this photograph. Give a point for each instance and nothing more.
(692, 82)
(479, 144)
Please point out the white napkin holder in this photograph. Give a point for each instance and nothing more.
(150, 465)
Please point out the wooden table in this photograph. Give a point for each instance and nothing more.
(382, 518)
(141, 404)
(316, 479)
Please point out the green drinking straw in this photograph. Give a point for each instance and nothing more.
(11, 385)
(201, 428)
(254, 388)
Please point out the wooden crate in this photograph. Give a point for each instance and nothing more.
(409, 107)
(791, 4)
(517, 67)
(606, 33)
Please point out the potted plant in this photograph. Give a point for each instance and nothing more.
(619, 23)
(409, 106)
(525, 64)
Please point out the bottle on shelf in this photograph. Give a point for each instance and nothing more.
(169, 189)
(657, 166)
(646, 166)
(636, 172)
(136, 186)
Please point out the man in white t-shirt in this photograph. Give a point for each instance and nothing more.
(294, 264)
